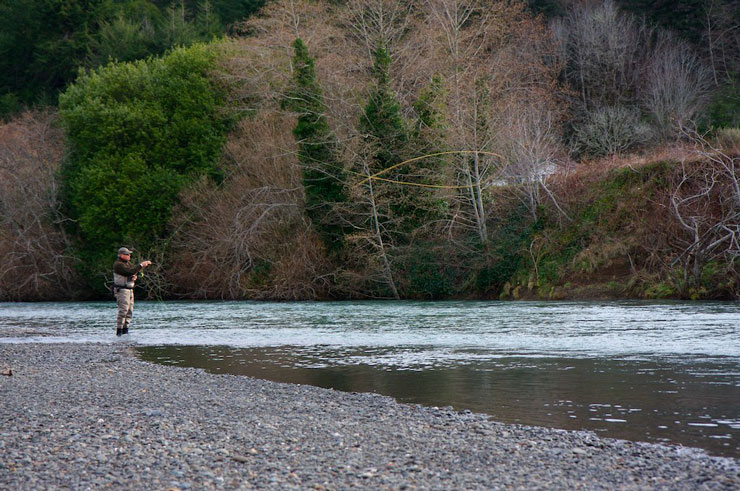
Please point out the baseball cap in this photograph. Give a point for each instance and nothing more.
(123, 250)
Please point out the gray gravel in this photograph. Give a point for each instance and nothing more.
(94, 416)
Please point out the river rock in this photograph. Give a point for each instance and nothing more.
(122, 423)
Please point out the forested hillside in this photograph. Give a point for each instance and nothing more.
(44, 43)
(377, 149)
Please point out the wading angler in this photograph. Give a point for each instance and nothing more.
(125, 275)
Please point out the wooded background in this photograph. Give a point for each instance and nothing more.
(371, 148)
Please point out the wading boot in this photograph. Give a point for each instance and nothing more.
(119, 331)
(124, 330)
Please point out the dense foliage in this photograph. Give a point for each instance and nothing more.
(139, 132)
(323, 173)
(44, 42)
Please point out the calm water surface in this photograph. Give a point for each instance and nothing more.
(662, 372)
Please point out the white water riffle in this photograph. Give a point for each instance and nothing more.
(401, 333)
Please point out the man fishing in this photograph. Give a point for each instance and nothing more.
(125, 275)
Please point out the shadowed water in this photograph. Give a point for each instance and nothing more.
(662, 372)
(694, 404)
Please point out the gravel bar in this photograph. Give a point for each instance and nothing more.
(95, 416)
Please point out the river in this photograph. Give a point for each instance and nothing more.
(666, 372)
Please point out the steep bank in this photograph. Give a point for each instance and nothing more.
(633, 228)
(610, 229)
(78, 416)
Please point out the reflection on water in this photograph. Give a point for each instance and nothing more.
(696, 405)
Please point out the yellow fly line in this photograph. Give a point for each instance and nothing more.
(417, 184)
(436, 186)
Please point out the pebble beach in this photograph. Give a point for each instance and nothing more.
(88, 416)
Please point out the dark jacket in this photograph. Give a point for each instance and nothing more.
(125, 268)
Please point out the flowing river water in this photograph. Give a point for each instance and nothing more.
(663, 372)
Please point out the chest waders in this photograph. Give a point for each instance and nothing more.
(123, 289)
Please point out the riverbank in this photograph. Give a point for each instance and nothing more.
(79, 416)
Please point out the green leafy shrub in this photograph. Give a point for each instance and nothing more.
(505, 255)
(718, 280)
(660, 291)
(428, 272)
(139, 132)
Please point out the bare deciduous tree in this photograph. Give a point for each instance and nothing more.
(705, 202)
(494, 58)
(226, 235)
(34, 259)
(377, 23)
(722, 38)
(602, 49)
(370, 249)
(616, 63)
(677, 84)
(531, 147)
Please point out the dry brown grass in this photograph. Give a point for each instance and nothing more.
(596, 169)
(728, 139)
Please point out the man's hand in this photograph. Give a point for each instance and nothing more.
(144, 264)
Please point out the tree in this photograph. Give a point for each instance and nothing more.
(377, 218)
(139, 133)
(405, 163)
(247, 237)
(323, 173)
(618, 64)
(721, 39)
(677, 87)
(383, 126)
(428, 204)
(229, 12)
(35, 258)
(233, 11)
(684, 16)
(379, 24)
(705, 205)
(382, 120)
(373, 246)
(493, 58)
(42, 42)
(530, 143)
(126, 39)
(603, 49)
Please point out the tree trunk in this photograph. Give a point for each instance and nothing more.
(481, 212)
(379, 237)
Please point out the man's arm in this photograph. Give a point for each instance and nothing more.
(126, 269)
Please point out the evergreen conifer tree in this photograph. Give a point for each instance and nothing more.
(382, 120)
(323, 174)
(428, 139)
(386, 131)
(411, 206)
